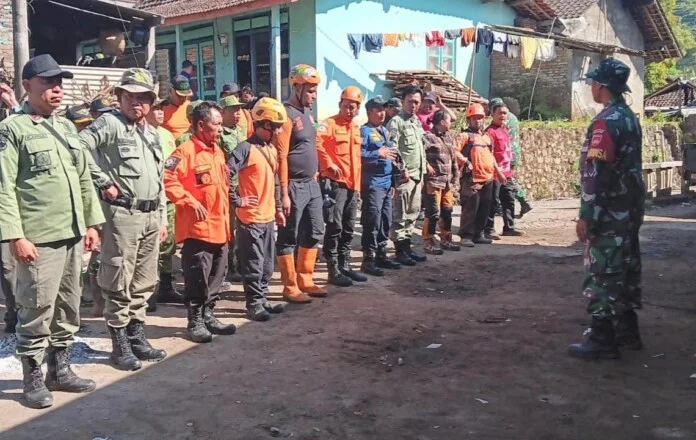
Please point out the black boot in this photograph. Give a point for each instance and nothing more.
(213, 325)
(344, 267)
(627, 332)
(197, 330)
(418, 258)
(10, 321)
(152, 302)
(61, 377)
(258, 313)
(525, 206)
(335, 276)
(122, 356)
(368, 265)
(384, 262)
(402, 254)
(273, 309)
(166, 292)
(36, 394)
(140, 345)
(600, 342)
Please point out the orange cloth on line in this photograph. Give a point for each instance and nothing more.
(338, 143)
(194, 173)
(468, 36)
(175, 119)
(391, 40)
(282, 143)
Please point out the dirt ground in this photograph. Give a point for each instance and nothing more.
(356, 366)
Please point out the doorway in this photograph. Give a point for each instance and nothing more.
(202, 55)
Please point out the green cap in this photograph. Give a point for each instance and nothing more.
(182, 86)
(192, 107)
(137, 81)
(612, 74)
(230, 101)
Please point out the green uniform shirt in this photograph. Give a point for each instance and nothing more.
(129, 155)
(231, 137)
(46, 192)
(407, 133)
(167, 141)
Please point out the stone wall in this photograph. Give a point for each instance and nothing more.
(550, 157)
(6, 38)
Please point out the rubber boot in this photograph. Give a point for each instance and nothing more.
(384, 262)
(306, 260)
(402, 254)
(140, 345)
(35, 392)
(599, 344)
(166, 292)
(61, 377)
(525, 207)
(258, 313)
(197, 330)
(122, 356)
(213, 325)
(368, 265)
(627, 332)
(418, 258)
(344, 267)
(335, 276)
(291, 293)
(97, 296)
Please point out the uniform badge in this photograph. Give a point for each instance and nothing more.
(4, 136)
(98, 124)
(203, 178)
(171, 163)
(322, 128)
(43, 159)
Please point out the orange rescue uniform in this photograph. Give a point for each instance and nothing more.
(197, 172)
(338, 143)
(176, 119)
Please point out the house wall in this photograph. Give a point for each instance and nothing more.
(6, 37)
(335, 19)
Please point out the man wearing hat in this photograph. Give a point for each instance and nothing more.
(100, 105)
(80, 116)
(393, 108)
(187, 71)
(246, 123)
(611, 213)
(175, 107)
(131, 156)
(432, 103)
(49, 212)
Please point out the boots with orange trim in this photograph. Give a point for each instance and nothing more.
(306, 259)
(291, 292)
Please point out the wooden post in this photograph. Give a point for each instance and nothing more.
(179, 49)
(276, 79)
(150, 53)
(20, 24)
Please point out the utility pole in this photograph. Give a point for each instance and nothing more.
(20, 25)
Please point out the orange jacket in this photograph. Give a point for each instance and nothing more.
(175, 119)
(338, 143)
(197, 172)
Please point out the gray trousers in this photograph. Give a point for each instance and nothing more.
(48, 295)
(407, 205)
(8, 282)
(129, 263)
(255, 245)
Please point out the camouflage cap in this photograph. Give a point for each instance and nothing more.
(137, 80)
(231, 101)
(192, 107)
(612, 74)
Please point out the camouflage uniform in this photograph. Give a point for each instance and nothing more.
(612, 204)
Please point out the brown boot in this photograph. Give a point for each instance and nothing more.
(306, 259)
(291, 292)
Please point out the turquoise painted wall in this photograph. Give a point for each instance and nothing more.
(336, 18)
(303, 33)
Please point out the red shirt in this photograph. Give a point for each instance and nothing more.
(502, 147)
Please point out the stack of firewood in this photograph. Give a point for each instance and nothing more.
(453, 93)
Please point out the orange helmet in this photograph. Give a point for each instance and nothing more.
(475, 110)
(352, 93)
(268, 109)
(304, 74)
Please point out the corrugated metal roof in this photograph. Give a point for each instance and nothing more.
(87, 83)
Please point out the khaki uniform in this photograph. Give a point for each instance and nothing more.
(168, 247)
(46, 196)
(132, 158)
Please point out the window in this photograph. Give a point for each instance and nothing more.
(443, 57)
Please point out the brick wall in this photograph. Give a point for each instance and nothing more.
(553, 91)
(6, 35)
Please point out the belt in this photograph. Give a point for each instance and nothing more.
(135, 204)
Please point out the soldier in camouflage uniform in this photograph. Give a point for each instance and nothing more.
(611, 213)
(513, 125)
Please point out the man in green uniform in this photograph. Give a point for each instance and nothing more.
(232, 135)
(47, 205)
(611, 213)
(136, 221)
(513, 126)
(165, 293)
(406, 131)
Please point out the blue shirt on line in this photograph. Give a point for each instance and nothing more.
(375, 170)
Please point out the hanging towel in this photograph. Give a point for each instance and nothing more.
(403, 37)
(434, 38)
(453, 34)
(356, 42)
(499, 41)
(512, 49)
(374, 43)
(528, 48)
(546, 51)
(417, 39)
(484, 38)
(391, 40)
(468, 36)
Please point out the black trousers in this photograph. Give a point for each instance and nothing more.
(506, 195)
(305, 224)
(375, 217)
(476, 201)
(205, 267)
(255, 250)
(340, 221)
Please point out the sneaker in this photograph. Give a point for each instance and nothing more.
(492, 236)
(482, 240)
(448, 245)
(466, 243)
(431, 247)
(513, 233)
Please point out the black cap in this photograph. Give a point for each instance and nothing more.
(230, 88)
(376, 102)
(44, 66)
(78, 114)
(181, 86)
(100, 105)
(394, 103)
(430, 96)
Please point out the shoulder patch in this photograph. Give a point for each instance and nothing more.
(98, 124)
(323, 128)
(171, 163)
(4, 136)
